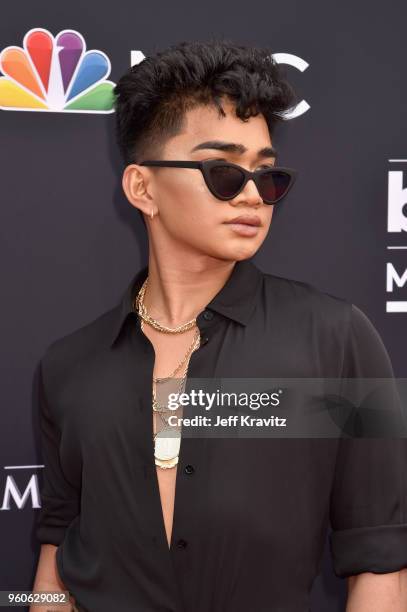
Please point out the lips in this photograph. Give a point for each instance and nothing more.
(246, 220)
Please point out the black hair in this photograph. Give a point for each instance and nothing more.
(151, 98)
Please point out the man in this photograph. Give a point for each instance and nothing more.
(213, 524)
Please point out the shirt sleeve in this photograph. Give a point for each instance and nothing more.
(368, 505)
(60, 501)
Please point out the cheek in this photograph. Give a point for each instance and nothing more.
(177, 186)
(188, 201)
(193, 188)
(183, 183)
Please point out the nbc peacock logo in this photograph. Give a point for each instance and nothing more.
(55, 74)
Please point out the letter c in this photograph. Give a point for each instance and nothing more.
(301, 65)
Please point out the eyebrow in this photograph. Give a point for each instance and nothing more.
(233, 147)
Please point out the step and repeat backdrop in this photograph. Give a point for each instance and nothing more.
(70, 242)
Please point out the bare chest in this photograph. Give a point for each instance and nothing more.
(170, 351)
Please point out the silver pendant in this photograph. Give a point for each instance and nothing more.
(167, 443)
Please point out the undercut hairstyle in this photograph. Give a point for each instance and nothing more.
(152, 97)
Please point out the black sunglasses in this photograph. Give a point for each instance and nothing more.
(225, 180)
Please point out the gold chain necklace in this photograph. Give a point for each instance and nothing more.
(141, 309)
(166, 448)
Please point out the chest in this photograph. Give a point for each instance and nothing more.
(171, 359)
(104, 407)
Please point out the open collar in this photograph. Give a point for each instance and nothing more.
(235, 300)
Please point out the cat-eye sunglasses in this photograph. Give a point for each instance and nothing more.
(226, 180)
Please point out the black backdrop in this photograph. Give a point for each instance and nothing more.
(70, 242)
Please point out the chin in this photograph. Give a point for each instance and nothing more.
(236, 254)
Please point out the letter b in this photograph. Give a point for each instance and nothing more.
(397, 199)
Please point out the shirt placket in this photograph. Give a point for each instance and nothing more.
(190, 470)
(191, 475)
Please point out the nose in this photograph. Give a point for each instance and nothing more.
(249, 195)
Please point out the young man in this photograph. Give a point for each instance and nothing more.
(134, 522)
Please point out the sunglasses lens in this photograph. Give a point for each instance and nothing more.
(273, 185)
(226, 180)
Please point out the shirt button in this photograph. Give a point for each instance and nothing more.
(208, 315)
(182, 543)
(189, 469)
(204, 339)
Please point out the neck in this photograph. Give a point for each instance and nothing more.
(179, 286)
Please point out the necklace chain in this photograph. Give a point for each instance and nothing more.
(142, 310)
(166, 449)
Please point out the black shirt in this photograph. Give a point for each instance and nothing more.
(251, 515)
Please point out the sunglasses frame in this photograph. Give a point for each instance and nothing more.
(205, 167)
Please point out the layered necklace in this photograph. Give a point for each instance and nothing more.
(167, 440)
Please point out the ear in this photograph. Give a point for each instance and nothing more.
(136, 183)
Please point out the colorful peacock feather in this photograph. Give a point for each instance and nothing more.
(55, 74)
